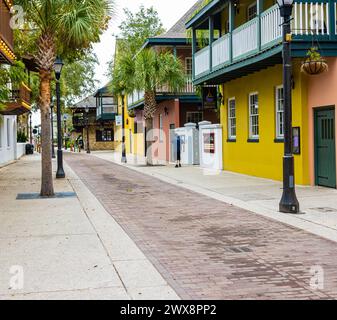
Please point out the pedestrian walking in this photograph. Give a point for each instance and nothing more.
(178, 140)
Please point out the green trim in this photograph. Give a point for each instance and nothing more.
(231, 140)
(200, 15)
(252, 140)
(279, 140)
(235, 66)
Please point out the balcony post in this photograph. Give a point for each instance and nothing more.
(231, 28)
(211, 40)
(194, 49)
(259, 8)
(332, 18)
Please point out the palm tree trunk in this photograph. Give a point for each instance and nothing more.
(47, 188)
(150, 106)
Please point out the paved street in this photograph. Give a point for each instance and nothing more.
(204, 248)
(67, 248)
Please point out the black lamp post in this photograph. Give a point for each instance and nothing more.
(289, 202)
(87, 127)
(58, 65)
(52, 129)
(123, 130)
(65, 131)
(30, 128)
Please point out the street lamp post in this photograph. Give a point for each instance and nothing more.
(289, 202)
(30, 128)
(52, 129)
(58, 69)
(87, 127)
(65, 131)
(123, 160)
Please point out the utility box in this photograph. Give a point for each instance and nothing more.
(210, 137)
(189, 144)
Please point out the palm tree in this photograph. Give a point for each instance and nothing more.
(66, 28)
(153, 70)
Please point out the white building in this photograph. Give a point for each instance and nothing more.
(9, 148)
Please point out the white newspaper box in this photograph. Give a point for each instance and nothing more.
(210, 141)
(189, 144)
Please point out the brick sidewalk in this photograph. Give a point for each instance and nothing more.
(204, 248)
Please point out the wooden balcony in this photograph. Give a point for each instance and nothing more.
(137, 97)
(257, 43)
(19, 101)
(6, 33)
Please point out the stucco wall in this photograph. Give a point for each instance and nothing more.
(321, 92)
(8, 145)
(264, 158)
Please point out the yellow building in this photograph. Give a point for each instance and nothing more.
(134, 135)
(258, 151)
(242, 55)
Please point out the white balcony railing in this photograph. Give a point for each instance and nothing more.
(220, 51)
(271, 29)
(245, 38)
(139, 95)
(201, 59)
(311, 18)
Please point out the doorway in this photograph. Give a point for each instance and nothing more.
(325, 147)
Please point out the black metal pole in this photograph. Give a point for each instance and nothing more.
(60, 172)
(87, 125)
(65, 134)
(30, 129)
(123, 132)
(52, 131)
(289, 202)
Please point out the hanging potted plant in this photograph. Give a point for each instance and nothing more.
(314, 63)
(131, 113)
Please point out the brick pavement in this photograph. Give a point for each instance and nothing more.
(207, 249)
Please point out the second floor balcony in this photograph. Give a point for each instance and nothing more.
(6, 33)
(19, 101)
(231, 44)
(163, 92)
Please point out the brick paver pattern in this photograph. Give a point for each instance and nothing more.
(207, 249)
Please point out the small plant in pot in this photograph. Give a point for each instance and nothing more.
(314, 63)
(131, 113)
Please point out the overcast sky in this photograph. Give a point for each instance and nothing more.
(170, 11)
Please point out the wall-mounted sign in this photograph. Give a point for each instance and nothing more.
(209, 97)
(209, 142)
(119, 120)
(296, 140)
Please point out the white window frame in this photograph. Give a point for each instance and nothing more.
(161, 128)
(188, 113)
(252, 135)
(254, 4)
(230, 118)
(278, 111)
(188, 61)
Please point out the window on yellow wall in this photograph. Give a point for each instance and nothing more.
(254, 115)
(231, 118)
(252, 11)
(279, 104)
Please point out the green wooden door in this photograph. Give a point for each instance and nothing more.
(325, 148)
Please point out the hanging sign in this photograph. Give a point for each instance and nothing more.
(209, 97)
(119, 120)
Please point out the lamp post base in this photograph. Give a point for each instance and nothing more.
(60, 172)
(123, 160)
(289, 202)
